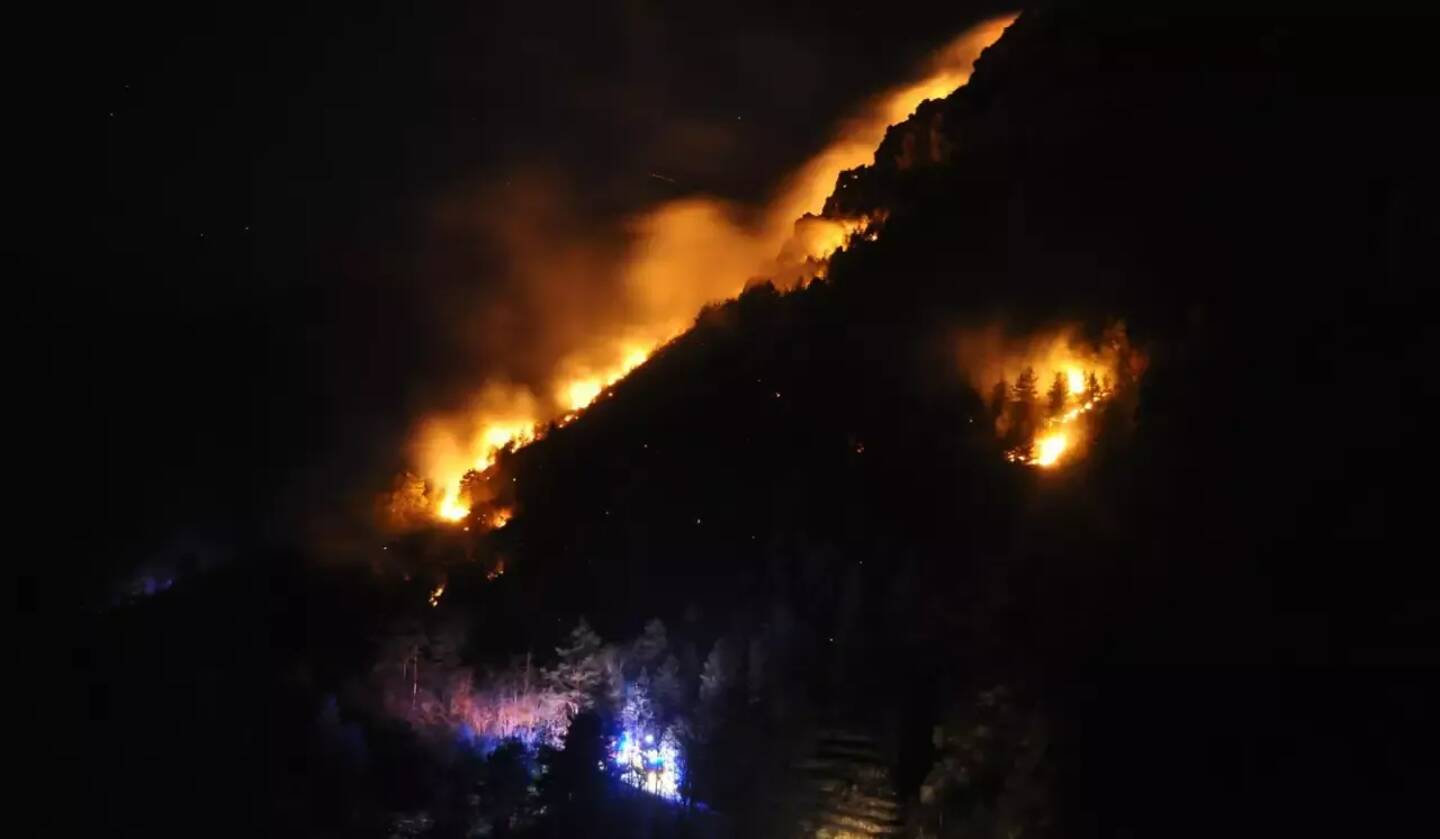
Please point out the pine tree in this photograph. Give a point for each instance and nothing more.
(580, 673)
(1023, 411)
(999, 399)
(572, 782)
(668, 692)
(1059, 391)
(672, 757)
(1026, 387)
(638, 715)
(717, 678)
(1092, 387)
(651, 644)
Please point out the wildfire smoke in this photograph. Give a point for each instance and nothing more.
(685, 254)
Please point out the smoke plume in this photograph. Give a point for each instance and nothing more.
(578, 312)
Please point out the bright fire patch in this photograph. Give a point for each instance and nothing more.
(1050, 447)
(1045, 391)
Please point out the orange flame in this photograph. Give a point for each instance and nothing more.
(1070, 380)
(688, 253)
(1049, 447)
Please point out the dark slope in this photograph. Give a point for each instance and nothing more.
(1222, 611)
(1248, 204)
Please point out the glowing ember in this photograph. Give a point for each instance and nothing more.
(436, 595)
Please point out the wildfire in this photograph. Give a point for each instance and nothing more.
(689, 253)
(1046, 389)
(1050, 447)
(581, 391)
(1056, 440)
(451, 509)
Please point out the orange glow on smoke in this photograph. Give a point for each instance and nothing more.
(579, 392)
(686, 253)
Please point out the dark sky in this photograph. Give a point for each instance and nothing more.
(268, 276)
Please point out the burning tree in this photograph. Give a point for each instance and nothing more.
(999, 401)
(1017, 422)
(1076, 389)
(1058, 395)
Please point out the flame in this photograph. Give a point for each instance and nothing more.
(581, 391)
(687, 254)
(451, 509)
(1050, 447)
(855, 143)
(1068, 379)
(436, 594)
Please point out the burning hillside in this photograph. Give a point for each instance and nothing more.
(687, 253)
(1045, 392)
(930, 546)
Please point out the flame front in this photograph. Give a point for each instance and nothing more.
(451, 508)
(1050, 447)
(689, 252)
(1044, 390)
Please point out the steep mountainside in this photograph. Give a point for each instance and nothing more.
(1211, 623)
